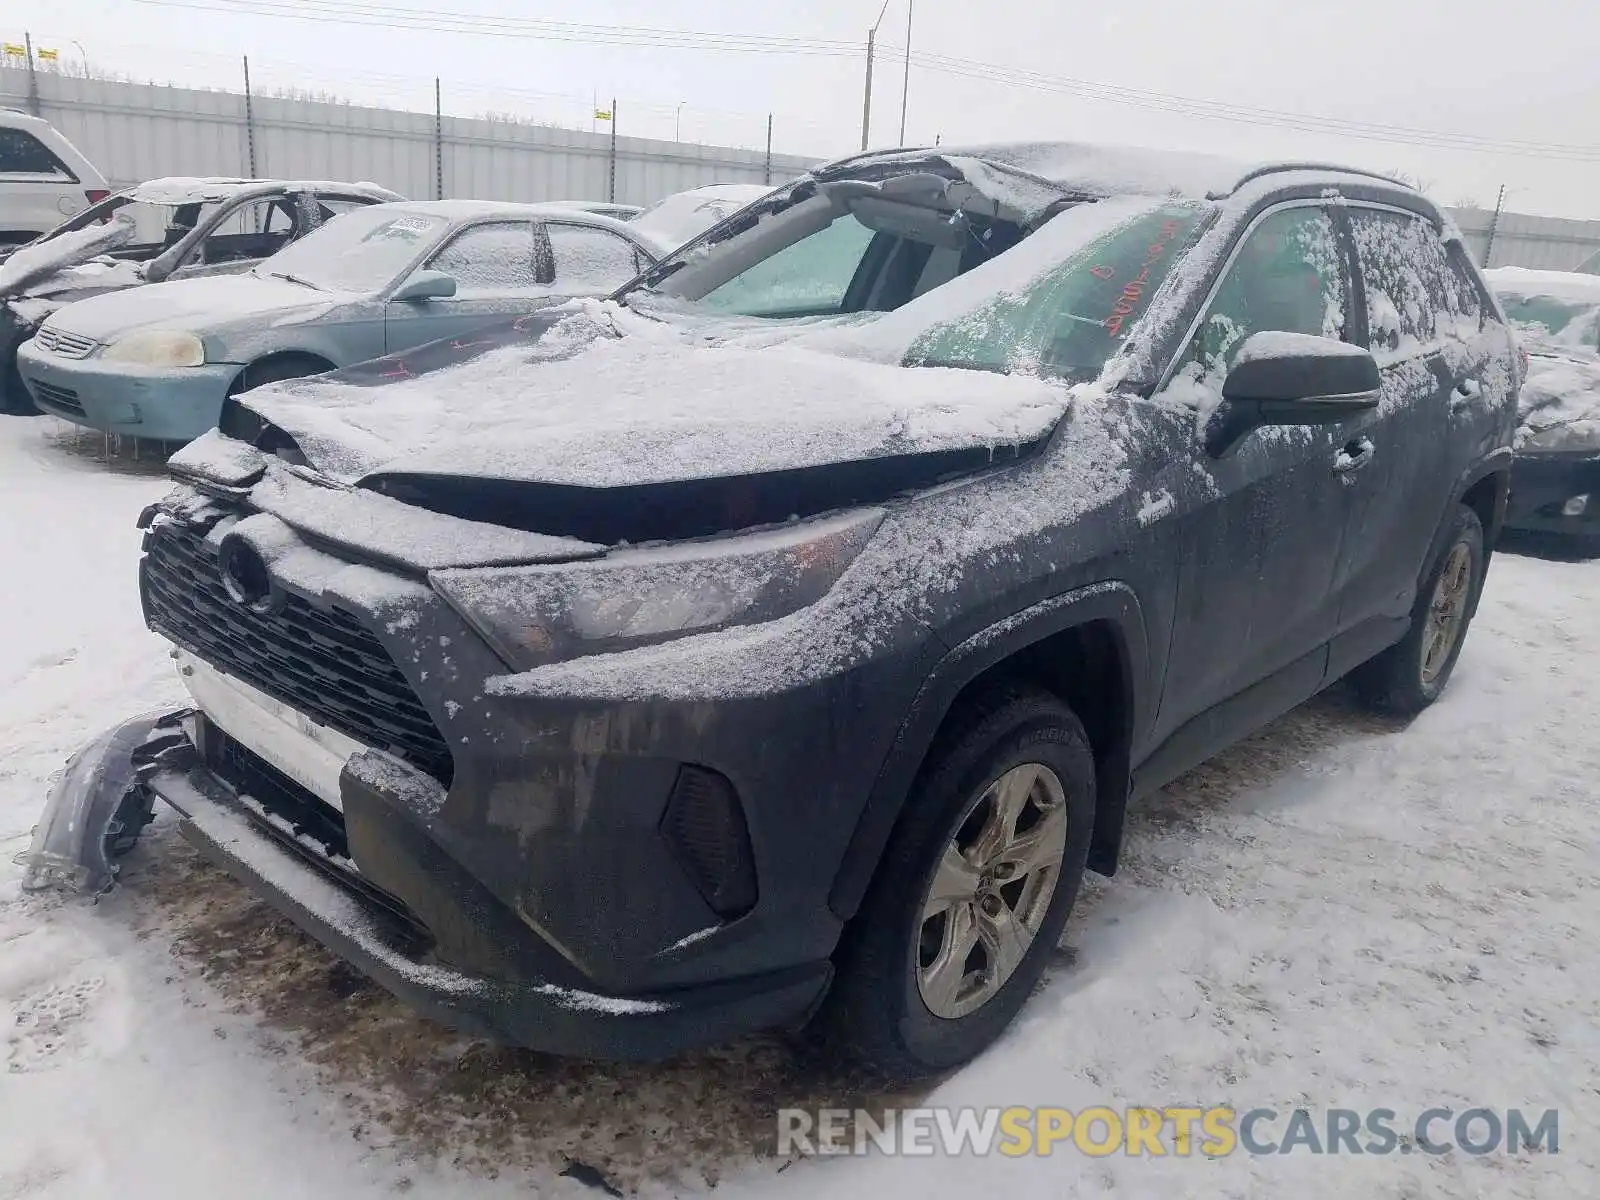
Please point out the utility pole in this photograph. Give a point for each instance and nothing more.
(33, 77)
(767, 178)
(905, 84)
(1494, 224)
(249, 121)
(612, 188)
(438, 142)
(866, 101)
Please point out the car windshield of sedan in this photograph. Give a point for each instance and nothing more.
(360, 251)
(156, 227)
(1546, 322)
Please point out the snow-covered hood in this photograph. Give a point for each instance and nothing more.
(607, 399)
(1560, 389)
(193, 304)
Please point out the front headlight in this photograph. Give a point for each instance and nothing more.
(541, 614)
(158, 348)
(1569, 437)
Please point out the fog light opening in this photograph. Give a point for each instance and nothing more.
(1575, 506)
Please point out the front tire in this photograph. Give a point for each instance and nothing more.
(972, 894)
(1410, 675)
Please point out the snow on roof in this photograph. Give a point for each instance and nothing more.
(181, 189)
(1556, 285)
(1084, 166)
(467, 210)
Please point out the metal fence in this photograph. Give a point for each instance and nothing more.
(137, 131)
(1522, 240)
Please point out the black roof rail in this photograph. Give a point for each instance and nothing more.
(1274, 168)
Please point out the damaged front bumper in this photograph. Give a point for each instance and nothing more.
(197, 769)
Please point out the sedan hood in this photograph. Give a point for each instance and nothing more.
(195, 304)
(1560, 389)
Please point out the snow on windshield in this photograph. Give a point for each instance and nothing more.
(33, 262)
(360, 250)
(1554, 312)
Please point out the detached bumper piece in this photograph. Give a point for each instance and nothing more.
(290, 848)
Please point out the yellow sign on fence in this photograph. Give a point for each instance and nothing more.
(47, 55)
(12, 49)
(602, 114)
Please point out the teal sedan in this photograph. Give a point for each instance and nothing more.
(158, 362)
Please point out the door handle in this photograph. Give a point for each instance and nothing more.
(1356, 454)
(1465, 393)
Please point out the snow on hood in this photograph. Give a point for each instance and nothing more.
(34, 262)
(1558, 391)
(609, 399)
(190, 303)
(1557, 285)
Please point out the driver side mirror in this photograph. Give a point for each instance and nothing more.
(1291, 379)
(426, 285)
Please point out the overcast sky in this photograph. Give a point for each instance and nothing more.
(1497, 73)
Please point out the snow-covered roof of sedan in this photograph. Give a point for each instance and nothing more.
(182, 189)
(467, 210)
(1557, 285)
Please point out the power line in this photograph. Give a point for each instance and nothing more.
(438, 20)
(389, 17)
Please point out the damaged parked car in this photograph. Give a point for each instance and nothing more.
(159, 364)
(1555, 486)
(781, 640)
(165, 229)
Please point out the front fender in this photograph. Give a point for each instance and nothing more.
(1112, 602)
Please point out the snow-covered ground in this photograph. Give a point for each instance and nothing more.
(1340, 913)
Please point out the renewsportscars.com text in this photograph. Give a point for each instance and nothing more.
(1159, 1132)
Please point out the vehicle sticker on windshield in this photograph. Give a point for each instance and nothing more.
(1133, 291)
(406, 229)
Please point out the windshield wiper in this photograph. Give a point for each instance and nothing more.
(295, 279)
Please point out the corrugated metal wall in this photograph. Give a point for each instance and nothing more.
(134, 132)
(1521, 240)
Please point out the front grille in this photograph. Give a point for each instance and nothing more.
(321, 663)
(302, 823)
(67, 345)
(58, 397)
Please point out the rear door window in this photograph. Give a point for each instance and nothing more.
(490, 259)
(591, 260)
(1406, 279)
(23, 154)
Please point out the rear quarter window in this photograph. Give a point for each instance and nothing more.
(23, 154)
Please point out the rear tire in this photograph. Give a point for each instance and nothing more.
(1412, 674)
(896, 964)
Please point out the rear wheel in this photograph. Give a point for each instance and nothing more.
(1411, 674)
(975, 886)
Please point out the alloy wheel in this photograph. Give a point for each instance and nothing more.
(1447, 612)
(991, 890)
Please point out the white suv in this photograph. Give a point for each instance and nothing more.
(44, 179)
